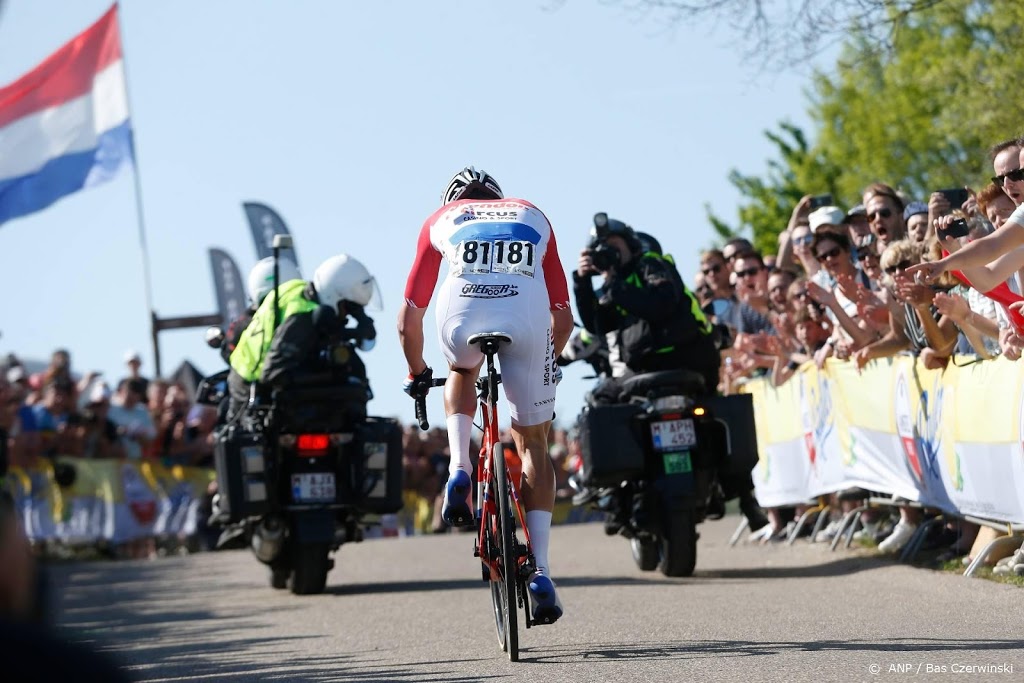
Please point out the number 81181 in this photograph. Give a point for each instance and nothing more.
(513, 257)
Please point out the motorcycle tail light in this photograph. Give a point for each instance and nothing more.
(672, 403)
(311, 445)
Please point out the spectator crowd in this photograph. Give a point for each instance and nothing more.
(841, 285)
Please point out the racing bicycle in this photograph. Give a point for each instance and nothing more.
(505, 562)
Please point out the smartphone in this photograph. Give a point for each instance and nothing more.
(957, 228)
(820, 200)
(956, 197)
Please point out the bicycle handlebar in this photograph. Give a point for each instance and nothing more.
(421, 405)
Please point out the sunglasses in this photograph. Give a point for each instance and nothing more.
(864, 252)
(1016, 175)
(803, 241)
(749, 272)
(831, 253)
(902, 265)
(881, 213)
(712, 270)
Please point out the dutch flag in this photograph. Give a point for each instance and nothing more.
(64, 126)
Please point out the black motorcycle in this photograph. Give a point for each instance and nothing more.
(301, 470)
(653, 462)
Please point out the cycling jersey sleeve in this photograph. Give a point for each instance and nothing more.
(423, 276)
(554, 277)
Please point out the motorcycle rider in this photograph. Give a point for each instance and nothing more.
(259, 283)
(651, 322)
(308, 313)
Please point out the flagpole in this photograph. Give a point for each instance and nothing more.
(146, 276)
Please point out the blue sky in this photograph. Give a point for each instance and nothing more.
(348, 119)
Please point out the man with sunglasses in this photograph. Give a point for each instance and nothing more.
(884, 210)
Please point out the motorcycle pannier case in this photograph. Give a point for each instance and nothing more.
(611, 444)
(378, 465)
(737, 411)
(241, 474)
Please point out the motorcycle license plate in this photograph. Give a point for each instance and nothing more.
(671, 435)
(312, 487)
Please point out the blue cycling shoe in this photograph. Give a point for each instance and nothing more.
(455, 511)
(547, 608)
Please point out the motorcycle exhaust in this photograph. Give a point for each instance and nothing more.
(268, 539)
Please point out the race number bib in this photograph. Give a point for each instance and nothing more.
(511, 257)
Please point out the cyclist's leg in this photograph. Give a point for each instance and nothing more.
(460, 404)
(459, 407)
(538, 485)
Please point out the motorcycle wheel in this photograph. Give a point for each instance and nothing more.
(678, 555)
(310, 565)
(645, 553)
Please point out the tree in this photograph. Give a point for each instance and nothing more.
(769, 200)
(785, 33)
(920, 116)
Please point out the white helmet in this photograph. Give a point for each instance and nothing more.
(342, 277)
(261, 277)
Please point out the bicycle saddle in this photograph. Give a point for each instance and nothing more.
(491, 339)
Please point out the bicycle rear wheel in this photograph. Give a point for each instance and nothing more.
(504, 591)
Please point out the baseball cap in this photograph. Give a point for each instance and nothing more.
(132, 355)
(858, 210)
(100, 392)
(825, 215)
(914, 208)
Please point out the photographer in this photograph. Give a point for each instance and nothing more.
(643, 309)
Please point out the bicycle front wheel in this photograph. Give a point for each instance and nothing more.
(504, 594)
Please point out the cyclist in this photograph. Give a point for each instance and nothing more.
(504, 275)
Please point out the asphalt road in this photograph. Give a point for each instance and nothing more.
(414, 609)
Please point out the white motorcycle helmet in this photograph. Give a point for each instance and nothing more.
(341, 278)
(261, 277)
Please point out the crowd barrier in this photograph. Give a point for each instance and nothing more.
(950, 439)
(113, 501)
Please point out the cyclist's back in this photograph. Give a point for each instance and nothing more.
(504, 275)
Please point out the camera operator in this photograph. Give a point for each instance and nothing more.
(652, 323)
(310, 316)
(650, 320)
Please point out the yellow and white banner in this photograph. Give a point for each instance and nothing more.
(108, 500)
(951, 439)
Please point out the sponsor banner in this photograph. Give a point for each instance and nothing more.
(227, 283)
(952, 439)
(264, 223)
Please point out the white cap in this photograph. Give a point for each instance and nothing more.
(825, 215)
(129, 356)
(100, 392)
(16, 374)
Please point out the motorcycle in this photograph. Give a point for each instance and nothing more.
(653, 463)
(301, 470)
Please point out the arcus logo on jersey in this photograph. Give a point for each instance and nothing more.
(467, 215)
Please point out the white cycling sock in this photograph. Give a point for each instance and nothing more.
(538, 523)
(460, 429)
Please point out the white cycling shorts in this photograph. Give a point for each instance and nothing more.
(527, 364)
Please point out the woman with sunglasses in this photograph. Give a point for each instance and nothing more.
(833, 252)
(916, 324)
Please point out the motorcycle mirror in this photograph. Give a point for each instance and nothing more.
(282, 242)
(214, 337)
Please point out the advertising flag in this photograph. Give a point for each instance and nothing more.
(265, 223)
(65, 126)
(227, 282)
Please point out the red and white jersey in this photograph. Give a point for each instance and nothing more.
(495, 249)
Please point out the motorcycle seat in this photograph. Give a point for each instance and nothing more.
(664, 383)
